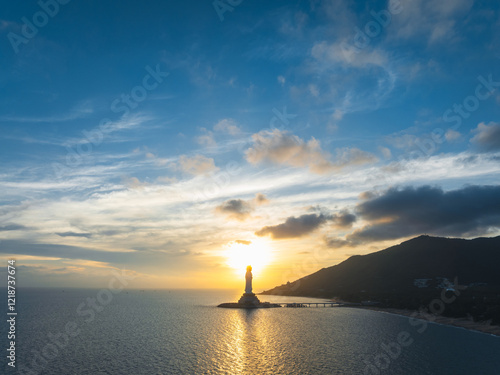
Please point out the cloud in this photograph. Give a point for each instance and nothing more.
(338, 243)
(341, 52)
(294, 227)
(343, 220)
(338, 73)
(452, 135)
(434, 20)
(403, 212)
(83, 110)
(243, 242)
(281, 147)
(51, 250)
(197, 164)
(237, 209)
(487, 138)
(73, 234)
(261, 199)
(11, 227)
(206, 139)
(240, 209)
(402, 140)
(345, 157)
(353, 79)
(134, 183)
(387, 154)
(227, 126)
(166, 180)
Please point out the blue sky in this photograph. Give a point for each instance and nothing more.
(154, 136)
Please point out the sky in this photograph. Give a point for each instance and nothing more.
(177, 142)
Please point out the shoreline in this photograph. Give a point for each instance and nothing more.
(438, 319)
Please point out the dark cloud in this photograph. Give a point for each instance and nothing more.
(487, 137)
(63, 270)
(338, 243)
(235, 209)
(243, 242)
(240, 209)
(397, 213)
(343, 220)
(10, 227)
(73, 234)
(297, 227)
(294, 227)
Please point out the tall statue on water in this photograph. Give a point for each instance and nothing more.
(248, 277)
(249, 300)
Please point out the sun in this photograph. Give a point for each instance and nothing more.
(257, 254)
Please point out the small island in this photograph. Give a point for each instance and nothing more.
(248, 300)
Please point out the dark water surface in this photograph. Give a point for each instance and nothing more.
(182, 332)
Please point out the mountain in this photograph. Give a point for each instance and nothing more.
(415, 268)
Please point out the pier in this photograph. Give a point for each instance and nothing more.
(312, 304)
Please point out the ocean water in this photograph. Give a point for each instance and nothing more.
(183, 332)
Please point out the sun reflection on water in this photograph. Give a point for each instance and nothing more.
(250, 346)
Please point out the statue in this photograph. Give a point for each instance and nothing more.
(248, 277)
(248, 300)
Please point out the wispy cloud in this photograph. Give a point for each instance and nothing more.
(196, 165)
(228, 126)
(436, 21)
(73, 234)
(12, 227)
(81, 111)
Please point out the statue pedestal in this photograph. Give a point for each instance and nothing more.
(249, 299)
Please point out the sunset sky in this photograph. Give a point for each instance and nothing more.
(181, 140)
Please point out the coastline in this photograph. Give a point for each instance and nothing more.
(455, 322)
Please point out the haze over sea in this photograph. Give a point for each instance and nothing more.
(183, 332)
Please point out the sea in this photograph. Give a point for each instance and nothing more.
(92, 331)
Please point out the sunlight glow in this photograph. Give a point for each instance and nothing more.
(257, 254)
